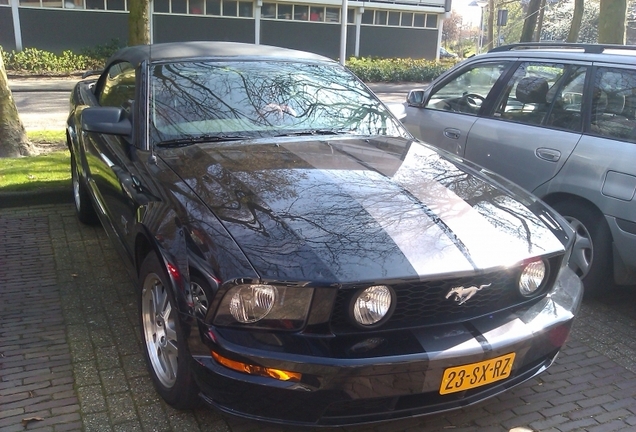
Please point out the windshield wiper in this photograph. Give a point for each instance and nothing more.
(185, 141)
(310, 132)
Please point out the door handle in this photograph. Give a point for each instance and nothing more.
(452, 133)
(548, 154)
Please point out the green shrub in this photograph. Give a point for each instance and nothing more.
(103, 52)
(37, 61)
(397, 70)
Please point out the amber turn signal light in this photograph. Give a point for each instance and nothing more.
(256, 370)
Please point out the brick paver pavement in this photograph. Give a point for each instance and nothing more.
(70, 351)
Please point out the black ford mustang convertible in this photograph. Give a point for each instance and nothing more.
(299, 257)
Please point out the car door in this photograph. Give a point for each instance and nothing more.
(535, 123)
(110, 157)
(602, 169)
(452, 106)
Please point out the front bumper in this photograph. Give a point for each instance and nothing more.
(383, 375)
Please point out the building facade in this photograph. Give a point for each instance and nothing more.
(402, 28)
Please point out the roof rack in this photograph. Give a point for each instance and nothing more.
(588, 48)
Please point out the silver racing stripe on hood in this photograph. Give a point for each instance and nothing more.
(426, 242)
(498, 231)
(436, 230)
(421, 237)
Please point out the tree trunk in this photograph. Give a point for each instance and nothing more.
(611, 22)
(490, 26)
(530, 21)
(138, 22)
(13, 139)
(577, 18)
(537, 33)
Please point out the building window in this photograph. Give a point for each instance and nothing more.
(284, 11)
(196, 7)
(212, 7)
(431, 21)
(299, 12)
(225, 8)
(419, 20)
(380, 18)
(401, 19)
(119, 5)
(367, 16)
(317, 13)
(230, 8)
(95, 4)
(407, 19)
(246, 10)
(351, 16)
(179, 6)
(394, 18)
(268, 10)
(162, 6)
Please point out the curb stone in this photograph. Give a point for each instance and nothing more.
(57, 195)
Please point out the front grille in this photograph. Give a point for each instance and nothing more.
(424, 303)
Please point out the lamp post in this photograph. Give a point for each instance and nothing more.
(482, 4)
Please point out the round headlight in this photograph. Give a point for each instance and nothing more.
(252, 303)
(372, 305)
(531, 278)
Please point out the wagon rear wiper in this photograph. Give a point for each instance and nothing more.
(184, 141)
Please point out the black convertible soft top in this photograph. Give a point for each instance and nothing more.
(205, 49)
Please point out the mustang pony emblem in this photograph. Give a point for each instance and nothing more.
(462, 295)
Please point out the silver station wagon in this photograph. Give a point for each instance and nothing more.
(558, 120)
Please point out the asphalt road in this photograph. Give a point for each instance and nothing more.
(42, 110)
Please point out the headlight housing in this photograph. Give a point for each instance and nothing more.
(533, 277)
(252, 303)
(372, 306)
(264, 306)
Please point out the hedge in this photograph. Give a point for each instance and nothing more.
(39, 62)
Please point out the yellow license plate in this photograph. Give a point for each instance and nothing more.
(460, 378)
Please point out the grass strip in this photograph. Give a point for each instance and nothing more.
(36, 172)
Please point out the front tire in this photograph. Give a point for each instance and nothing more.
(164, 341)
(591, 257)
(83, 205)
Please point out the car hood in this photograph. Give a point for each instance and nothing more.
(346, 210)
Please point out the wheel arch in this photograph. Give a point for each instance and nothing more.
(181, 271)
(143, 247)
(597, 228)
(559, 197)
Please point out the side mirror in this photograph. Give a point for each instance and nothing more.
(415, 98)
(106, 120)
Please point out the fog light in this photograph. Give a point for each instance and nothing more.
(252, 303)
(531, 278)
(372, 305)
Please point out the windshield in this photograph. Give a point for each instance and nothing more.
(250, 99)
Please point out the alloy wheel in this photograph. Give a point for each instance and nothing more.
(159, 326)
(76, 187)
